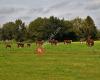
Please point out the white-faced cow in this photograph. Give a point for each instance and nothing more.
(90, 41)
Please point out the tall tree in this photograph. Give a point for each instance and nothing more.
(89, 27)
(20, 33)
(78, 27)
(8, 31)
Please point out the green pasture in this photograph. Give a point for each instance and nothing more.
(62, 62)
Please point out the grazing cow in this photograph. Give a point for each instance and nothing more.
(8, 46)
(67, 41)
(20, 45)
(90, 42)
(53, 42)
(39, 42)
(28, 44)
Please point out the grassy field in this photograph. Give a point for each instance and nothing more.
(62, 62)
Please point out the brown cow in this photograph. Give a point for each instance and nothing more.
(67, 41)
(90, 42)
(39, 42)
(53, 42)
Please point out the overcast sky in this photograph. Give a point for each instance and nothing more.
(28, 10)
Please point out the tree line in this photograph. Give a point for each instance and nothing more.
(50, 28)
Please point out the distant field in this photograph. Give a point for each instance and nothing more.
(62, 62)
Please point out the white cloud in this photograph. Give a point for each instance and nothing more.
(28, 10)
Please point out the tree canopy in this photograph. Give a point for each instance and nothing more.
(49, 28)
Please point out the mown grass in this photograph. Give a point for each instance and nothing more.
(62, 62)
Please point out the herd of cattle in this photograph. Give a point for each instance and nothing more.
(19, 45)
(89, 42)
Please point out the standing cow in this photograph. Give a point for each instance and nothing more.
(90, 42)
(53, 42)
(67, 41)
(39, 42)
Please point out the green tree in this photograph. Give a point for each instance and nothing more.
(89, 27)
(98, 34)
(78, 27)
(8, 31)
(20, 32)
